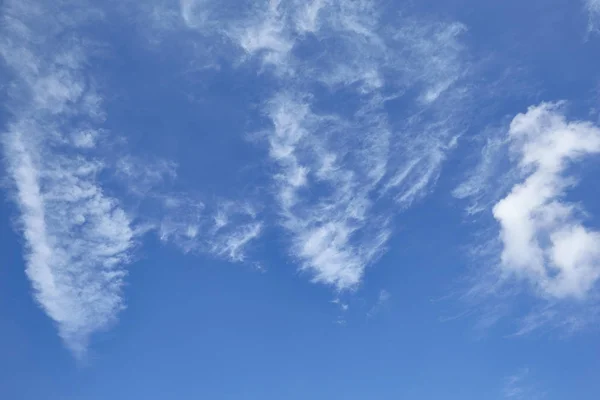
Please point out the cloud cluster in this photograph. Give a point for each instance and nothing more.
(341, 168)
(338, 165)
(341, 165)
(363, 109)
(543, 236)
(79, 236)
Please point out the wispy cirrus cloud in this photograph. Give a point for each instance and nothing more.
(334, 233)
(593, 9)
(78, 237)
(235, 225)
(341, 168)
(382, 301)
(347, 30)
(338, 166)
(492, 159)
(519, 387)
(224, 230)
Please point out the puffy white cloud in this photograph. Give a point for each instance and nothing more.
(544, 239)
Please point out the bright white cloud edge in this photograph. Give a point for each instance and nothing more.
(544, 239)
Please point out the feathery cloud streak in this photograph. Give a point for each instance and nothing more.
(593, 9)
(329, 231)
(78, 237)
(519, 387)
(339, 167)
(224, 231)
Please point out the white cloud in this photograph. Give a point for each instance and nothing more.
(234, 226)
(476, 188)
(382, 300)
(266, 33)
(331, 186)
(543, 238)
(195, 13)
(593, 9)
(354, 46)
(338, 168)
(513, 387)
(141, 177)
(356, 52)
(180, 220)
(85, 139)
(78, 238)
(325, 201)
(226, 230)
(338, 172)
(232, 245)
(308, 15)
(519, 387)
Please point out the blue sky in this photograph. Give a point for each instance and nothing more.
(325, 199)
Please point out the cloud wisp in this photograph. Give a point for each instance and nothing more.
(225, 230)
(593, 9)
(78, 238)
(327, 230)
(519, 387)
(476, 188)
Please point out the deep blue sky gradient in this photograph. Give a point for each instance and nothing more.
(199, 327)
